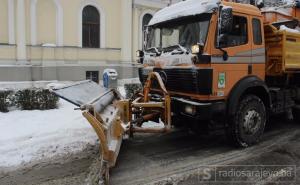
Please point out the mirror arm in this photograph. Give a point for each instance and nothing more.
(225, 53)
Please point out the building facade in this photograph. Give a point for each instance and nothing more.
(71, 40)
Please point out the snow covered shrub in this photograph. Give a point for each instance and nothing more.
(47, 100)
(132, 89)
(5, 100)
(25, 99)
(31, 99)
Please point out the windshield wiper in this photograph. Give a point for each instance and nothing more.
(174, 49)
(154, 50)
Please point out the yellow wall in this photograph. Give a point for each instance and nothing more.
(112, 9)
(38, 53)
(46, 22)
(3, 21)
(70, 22)
(113, 22)
(46, 12)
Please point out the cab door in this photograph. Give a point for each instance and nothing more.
(238, 45)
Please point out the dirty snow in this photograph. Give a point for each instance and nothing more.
(28, 136)
(184, 8)
(283, 11)
(122, 91)
(284, 8)
(151, 124)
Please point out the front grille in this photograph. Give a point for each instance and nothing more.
(192, 80)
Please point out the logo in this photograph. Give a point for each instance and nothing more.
(222, 81)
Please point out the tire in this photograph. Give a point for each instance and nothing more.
(247, 125)
(296, 114)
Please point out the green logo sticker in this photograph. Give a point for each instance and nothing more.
(222, 81)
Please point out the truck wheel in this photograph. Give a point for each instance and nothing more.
(247, 125)
(296, 114)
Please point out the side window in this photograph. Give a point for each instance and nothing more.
(239, 34)
(257, 36)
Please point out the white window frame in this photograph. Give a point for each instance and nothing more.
(151, 12)
(101, 11)
(59, 23)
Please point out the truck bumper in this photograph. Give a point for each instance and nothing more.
(198, 110)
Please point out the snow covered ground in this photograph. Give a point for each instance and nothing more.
(27, 136)
(30, 137)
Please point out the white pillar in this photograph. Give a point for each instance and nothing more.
(21, 33)
(59, 24)
(135, 31)
(11, 22)
(33, 22)
(126, 31)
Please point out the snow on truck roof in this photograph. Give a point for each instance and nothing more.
(183, 9)
(196, 7)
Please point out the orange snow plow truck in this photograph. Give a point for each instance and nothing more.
(209, 64)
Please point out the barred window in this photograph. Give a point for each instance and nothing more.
(90, 27)
(92, 75)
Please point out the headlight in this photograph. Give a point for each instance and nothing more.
(189, 109)
(197, 49)
(139, 54)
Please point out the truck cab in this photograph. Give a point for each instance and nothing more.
(211, 56)
(199, 59)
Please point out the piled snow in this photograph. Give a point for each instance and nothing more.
(49, 45)
(122, 82)
(283, 27)
(289, 1)
(258, 2)
(122, 91)
(151, 124)
(278, 3)
(184, 8)
(27, 136)
(283, 7)
(25, 84)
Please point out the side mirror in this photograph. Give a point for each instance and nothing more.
(226, 19)
(224, 28)
(145, 37)
(223, 40)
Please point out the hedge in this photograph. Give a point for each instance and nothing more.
(28, 99)
(132, 89)
(40, 99)
(5, 100)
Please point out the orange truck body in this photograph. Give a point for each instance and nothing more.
(275, 59)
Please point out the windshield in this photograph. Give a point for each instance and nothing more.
(182, 33)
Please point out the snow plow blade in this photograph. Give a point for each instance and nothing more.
(112, 117)
(100, 107)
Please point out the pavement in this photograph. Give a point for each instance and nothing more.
(179, 158)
